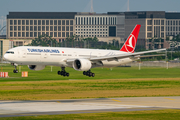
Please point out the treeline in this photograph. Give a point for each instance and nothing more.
(75, 42)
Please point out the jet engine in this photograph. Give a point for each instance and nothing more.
(82, 64)
(36, 67)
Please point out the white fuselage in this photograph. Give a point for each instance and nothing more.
(57, 56)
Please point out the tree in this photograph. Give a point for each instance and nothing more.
(43, 40)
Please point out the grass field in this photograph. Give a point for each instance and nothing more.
(170, 114)
(119, 82)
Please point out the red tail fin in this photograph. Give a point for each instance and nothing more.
(130, 44)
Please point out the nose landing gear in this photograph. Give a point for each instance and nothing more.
(15, 66)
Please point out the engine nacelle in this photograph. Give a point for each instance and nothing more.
(82, 64)
(36, 67)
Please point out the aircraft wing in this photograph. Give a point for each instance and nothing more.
(120, 56)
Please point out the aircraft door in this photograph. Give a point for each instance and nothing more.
(24, 53)
(21, 53)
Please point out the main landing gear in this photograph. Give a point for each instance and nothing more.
(63, 72)
(15, 66)
(88, 73)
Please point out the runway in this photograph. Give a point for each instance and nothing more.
(75, 106)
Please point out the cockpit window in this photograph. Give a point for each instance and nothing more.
(10, 52)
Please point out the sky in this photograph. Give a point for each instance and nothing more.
(99, 6)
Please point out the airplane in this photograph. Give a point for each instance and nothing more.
(80, 59)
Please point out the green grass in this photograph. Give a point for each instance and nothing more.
(101, 73)
(170, 114)
(120, 82)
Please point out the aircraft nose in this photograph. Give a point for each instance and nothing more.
(5, 56)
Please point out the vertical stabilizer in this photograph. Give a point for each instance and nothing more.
(130, 44)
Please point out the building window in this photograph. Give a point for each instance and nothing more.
(39, 28)
(149, 35)
(71, 22)
(35, 34)
(23, 28)
(31, 28)
(31, 22)
(47, 33)
(51, 28)
(15, 22)
(149, 28)
(51, 22)
(71, 28)
(51, 34)
(19, 22)
(27, 22)
(31, 34)
(23, 22)
(149, 22)
(55, 23)
(156, 22)
(19, 34)
(11, 22)
(63, 28)
(39, 33)
(15, 34)
(47, 28)
(39, 22)
(47, 22)
(35, 28)
(63, 34)
(89, 20)
(35, 22)
(11, 28)
(162, 28)
(59, 28)
(27, 28)
(173, 22)
(67, 22)
(162, 35)
(63, 22)
(67, 34)
(27, 34)
(43, 22)
(59, 34)
(55, 28)
(59, 22)
(23, 34)
(11, 34)
(55, 34)
(162, 22)
(43, 28)
(67, 28)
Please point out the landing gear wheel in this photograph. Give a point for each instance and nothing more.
(88, 73)
(67, 74)
(15, 71)
(84, 72)
(93, 74)
(63, 72)
(59, 72)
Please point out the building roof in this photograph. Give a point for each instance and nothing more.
(172, 15)
(41, 15)
(145, 14)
